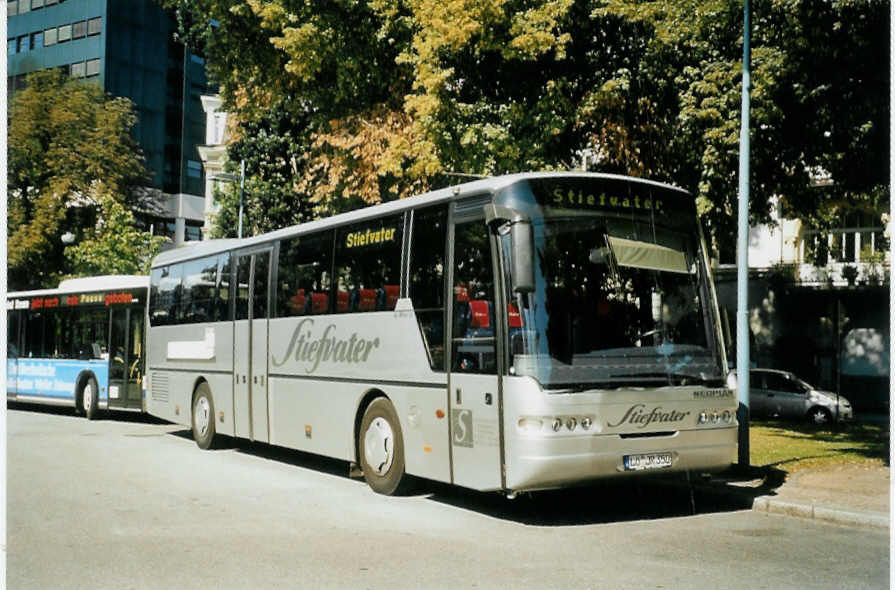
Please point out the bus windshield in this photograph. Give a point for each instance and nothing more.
(620, 300)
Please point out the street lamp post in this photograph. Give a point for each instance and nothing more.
(743, 258)
(231, 178)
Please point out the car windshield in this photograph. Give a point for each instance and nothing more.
(619, 301)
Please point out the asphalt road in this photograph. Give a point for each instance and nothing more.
(128, 502)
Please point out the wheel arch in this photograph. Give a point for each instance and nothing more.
(368, 398)
(80, 382)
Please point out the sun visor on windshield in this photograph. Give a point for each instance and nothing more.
(645, 255)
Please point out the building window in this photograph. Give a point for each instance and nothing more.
(23, 44)
(24, 6)
(50, 37)
(64, 33)
(35, 4)
(12, 8)
(37, 40)
(10, 46)
(77, 70)
(95, 26)
(92, 67)
(193, 169)
(49, 2)
(79, 30)
(192, 233)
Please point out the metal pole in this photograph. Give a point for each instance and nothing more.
(743, 258)
(242, 189)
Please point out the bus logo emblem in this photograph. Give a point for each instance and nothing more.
(461, 424)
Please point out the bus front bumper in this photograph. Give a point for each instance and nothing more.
(544, 462)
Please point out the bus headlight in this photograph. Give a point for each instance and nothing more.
(726, 416)
(703, 418)
(557, 424)
(571, 423)
(530, 424)
(586, 423)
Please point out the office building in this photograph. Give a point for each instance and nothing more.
(128, 47)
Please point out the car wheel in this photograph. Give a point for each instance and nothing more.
(382, 448)
(820, 416)
(203, 417)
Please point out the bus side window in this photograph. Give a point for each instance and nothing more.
(427, 250)
(368, 260)
(164, 295)
(303, 275)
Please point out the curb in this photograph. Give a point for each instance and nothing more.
(873, 520)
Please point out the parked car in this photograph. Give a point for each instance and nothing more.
(781, 394)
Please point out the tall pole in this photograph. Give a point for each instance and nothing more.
(743, 258)
(242, 190)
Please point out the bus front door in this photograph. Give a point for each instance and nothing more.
(250, 407)
(474, 383)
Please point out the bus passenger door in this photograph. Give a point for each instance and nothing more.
(250, 346)
(117, 340)
(474, 383)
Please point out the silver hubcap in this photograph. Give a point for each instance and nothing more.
(820, 417)
(379, 446)
(202, 416)
(88, 397)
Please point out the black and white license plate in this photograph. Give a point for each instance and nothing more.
(647, 461)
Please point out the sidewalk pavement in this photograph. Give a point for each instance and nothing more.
(852, 496)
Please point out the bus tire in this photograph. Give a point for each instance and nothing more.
(203, 417)
(381, 448)
(90, 398)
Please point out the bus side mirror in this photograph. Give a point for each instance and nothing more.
(522, 244)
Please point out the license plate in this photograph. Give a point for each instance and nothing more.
(647, 461)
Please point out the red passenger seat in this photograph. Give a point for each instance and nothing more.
(319, 302)
(342, 301)
(367, 300)
(479, 314)
(391, 296)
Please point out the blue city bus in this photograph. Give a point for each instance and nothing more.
(80, 345)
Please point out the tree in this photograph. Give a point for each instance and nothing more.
(394, 96)
(68, 145)
(115, 245)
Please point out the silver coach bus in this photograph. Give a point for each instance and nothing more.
(516, 333)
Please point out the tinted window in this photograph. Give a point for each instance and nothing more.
(34, 334)
(427, 278)
(91, 330)
(260, 280)
(95, 26)
(199, 281)
(473, 346)
(243, 274)
(368, 265)
(164, 296)
(79, 29)
(13, 318)
(222, 305)
(304, 275)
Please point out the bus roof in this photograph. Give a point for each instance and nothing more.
(483, 186)
(89, 284)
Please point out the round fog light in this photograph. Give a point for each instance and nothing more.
(571, 423)
(557, 424)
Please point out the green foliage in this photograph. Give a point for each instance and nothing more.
(390, 97)
(115, 245)
(65, 137)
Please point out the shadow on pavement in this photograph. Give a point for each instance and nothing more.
(611, 501)
(647, 498)
(134, 416)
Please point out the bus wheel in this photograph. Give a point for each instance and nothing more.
(90, 398)
(382, 448)
(203, 417)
